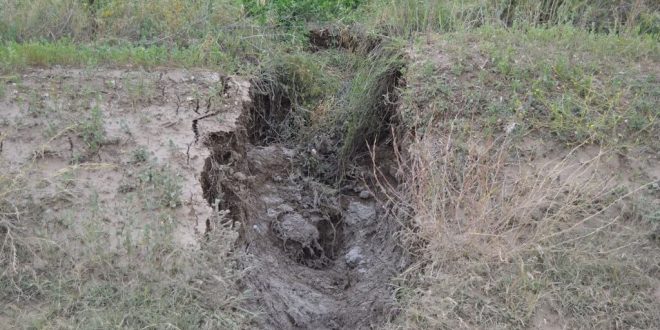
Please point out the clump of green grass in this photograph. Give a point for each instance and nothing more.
(92, 130)
(140, 155)
(370, 101)
(162, 187)
(140, 88)
(293, 93)
(285, 93)
(15, 56)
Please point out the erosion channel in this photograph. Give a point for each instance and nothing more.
(316, 255)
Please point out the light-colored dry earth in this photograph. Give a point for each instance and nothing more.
(142, 111)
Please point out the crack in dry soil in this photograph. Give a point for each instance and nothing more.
(315, 257)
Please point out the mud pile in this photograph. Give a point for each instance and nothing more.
(315, 256)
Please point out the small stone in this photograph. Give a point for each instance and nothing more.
(510, 127)
(393, 170)
(240, 176)
(285, 208)
(354, 257)
(294, 227)
(359, 214)
(256, 228)
(364, 194)
(271, 212)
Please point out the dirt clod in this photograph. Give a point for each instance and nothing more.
(360, 214)
(365, 194)
(354, 257)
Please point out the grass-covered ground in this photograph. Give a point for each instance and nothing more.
(536, 184)
(527, 135)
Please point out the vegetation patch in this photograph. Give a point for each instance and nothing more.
(508, 147)
(371, 101)
(284, 95)
(291, 12)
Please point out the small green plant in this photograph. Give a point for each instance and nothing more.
(125, 128)
(92, 130)
(140, 155)
(288, 87)
(35, 106)
(370, 101)
(140, 88)
(161, 187)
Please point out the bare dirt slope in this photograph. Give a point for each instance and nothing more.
(100, 174)
(49, 125)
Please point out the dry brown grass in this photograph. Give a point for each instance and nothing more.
(504, 242)
(517, 230)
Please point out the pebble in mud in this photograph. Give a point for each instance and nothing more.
(240, 176)
(354, 257)
(359, 214)
(282, 208)
(292, 226)
(365, 194)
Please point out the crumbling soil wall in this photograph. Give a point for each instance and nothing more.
(315, 256)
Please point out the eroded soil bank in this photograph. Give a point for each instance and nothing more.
(316, 256)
